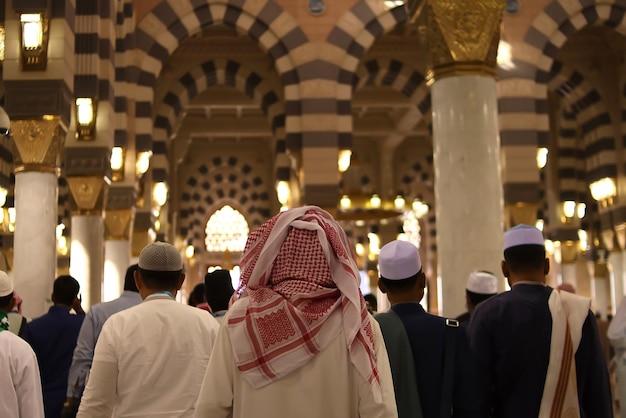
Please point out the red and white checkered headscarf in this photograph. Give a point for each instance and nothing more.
(299, 288)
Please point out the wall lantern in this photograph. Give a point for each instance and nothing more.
(85, 119)
(142, 164)
(118, 156)
(34, 41)
(159, 193)
(603, 190)
(283, 193)
(343, 163)
(542, 157)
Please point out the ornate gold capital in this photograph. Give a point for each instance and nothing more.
(140, 240)
(569, 252)
(600, 270)
(88, 194)
(117, 224)
(38, 145)
(520, 213)
(463, 36)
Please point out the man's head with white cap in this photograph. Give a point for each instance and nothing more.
(160, 268)
(7, 299)
(524, 255)
(481, 285)
(401, 276)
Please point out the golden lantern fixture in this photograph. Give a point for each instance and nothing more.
(85, 119)
(34, 28)
(118, 158)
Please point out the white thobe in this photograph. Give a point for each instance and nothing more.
(20, 384)
(150, 361)
(327, 386)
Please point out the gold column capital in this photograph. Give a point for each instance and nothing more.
(140, 240)
(569, 252)
(88, 194)
(38, 145)
(463, 37)
(520, 213)
(117, 223)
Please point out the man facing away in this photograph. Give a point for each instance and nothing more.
(537, 349)
(88, 336)
(20, 384)
(218, 288)
(298, 341)
(53, 338)
(150, 359)
(429, 355)
(481, 285)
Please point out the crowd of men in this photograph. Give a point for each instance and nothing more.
(297, 340)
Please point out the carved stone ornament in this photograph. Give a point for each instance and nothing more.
(88, 194)
(569, 252)
(38, 145)
(140, 240)
(521, 213)
(464, 36)
(117, 223)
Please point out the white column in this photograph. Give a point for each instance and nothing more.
(568, 274)
(468, 189)
(616, 271)
(600, 295)
(35, 254)
(116, 262)
(87, 256)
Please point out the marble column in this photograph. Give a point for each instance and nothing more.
(143, 233)
(616, 271)
(116, 251)
(468, 189)
(569, 255)
(118, 222)
(88, 194)
(38, 145)
(600, 288)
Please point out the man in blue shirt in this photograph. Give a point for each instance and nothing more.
(537, 349)
(88, 336)
(53, 338)
(435, 343)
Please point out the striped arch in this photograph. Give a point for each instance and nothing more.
(593, 118)
(399, 76)
(572, 184)
(353, 35)
(169, 23)
(411, 83)
(522, 91)
(219, 182)
(95, 38)
(208, 74)
(125, 18)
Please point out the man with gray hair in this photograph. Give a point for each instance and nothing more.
(150, 359)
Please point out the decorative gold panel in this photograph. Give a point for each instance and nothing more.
(140, 240)
(463, 36)
(38, 145)
(117, 224)
(88, 193)
(569, 252)
(520, 213)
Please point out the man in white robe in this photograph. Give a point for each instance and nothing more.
(298, 341)
(20, 383)
(150, 359)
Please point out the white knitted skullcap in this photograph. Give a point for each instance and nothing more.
(523, 235)
(160, 256)
(482, 283)
(399, 260)
(6, 284)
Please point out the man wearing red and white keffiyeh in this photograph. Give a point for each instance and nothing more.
(298, 336)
